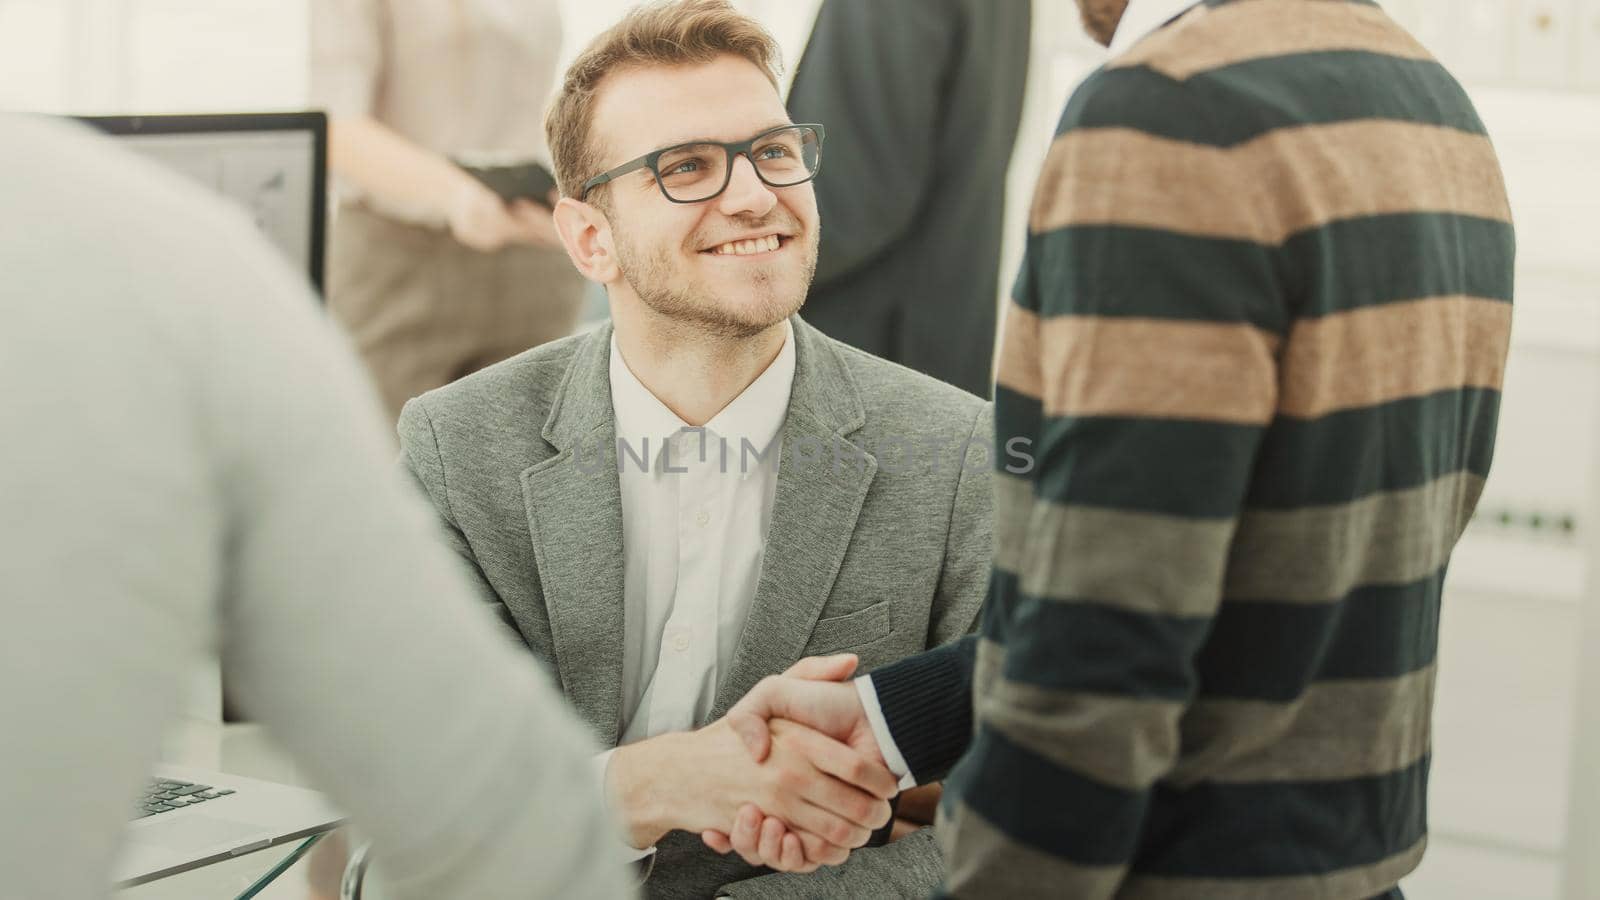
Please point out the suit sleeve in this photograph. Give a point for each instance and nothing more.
(873, 75)
(421, 460)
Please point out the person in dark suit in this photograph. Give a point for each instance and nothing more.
(923, 99)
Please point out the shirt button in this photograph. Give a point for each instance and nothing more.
(680, 642)
(702, 518)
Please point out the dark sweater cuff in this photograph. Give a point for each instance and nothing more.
(927, 703)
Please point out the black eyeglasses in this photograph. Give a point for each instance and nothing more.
(690, 173)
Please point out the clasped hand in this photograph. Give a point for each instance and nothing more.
(814, 796)
(814, 691)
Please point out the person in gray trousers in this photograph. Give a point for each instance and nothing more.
(922, 99)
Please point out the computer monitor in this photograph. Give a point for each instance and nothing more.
(273, 165)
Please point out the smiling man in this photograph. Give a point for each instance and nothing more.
(698, 495)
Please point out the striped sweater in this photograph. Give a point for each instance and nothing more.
(1254, 357)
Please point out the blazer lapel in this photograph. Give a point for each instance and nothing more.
(574, 506)
(813, 516)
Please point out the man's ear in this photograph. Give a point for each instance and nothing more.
(586, 233)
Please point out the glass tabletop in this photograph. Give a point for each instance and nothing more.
(257, 875)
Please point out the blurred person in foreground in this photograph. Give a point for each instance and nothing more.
(433, 274)
(697, 495)
(924, 97)
(194, 464)
(1256, 352)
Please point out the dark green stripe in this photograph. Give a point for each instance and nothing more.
(1052, 809)
(1115, 270)
(1174, 467)
(1282, 829)
(1356, 453)
(1015, 416)
(1337, 86)
(1273, 651)
(1251, 651)
(1365, 262)
(1024, 289)
(1003, 590)
(1092, 648)
(1250, 99)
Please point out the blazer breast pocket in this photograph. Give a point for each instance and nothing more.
(837, 634)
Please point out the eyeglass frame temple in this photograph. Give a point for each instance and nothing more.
(733, 150)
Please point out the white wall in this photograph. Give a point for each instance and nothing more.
(152, 56)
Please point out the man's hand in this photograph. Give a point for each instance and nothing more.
(763, 840)
(699, 780)
(827, 704)
(812, 692)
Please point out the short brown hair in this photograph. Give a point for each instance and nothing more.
(664, 33)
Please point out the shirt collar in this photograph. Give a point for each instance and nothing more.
(755, 415)
(1143, 17)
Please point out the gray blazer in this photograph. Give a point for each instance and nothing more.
(883, 554)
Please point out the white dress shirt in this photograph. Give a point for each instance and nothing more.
(1139, 20)
(694, 531)
(696, 506)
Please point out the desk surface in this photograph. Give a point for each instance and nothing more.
(239, 750)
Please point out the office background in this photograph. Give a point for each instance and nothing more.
(1514, 807)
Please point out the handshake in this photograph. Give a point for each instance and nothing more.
(791, 778)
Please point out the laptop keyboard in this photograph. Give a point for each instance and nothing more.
(165, 795)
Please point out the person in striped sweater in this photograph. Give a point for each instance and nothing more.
(1255, 360)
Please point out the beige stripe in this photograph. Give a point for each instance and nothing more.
(1019, 352)
(1136, 561)
(1354, 728)
(1360, 881)
(1157, 368)
(1310, 555)
(991, 659)
(1269, 188)
(1338, 729)
(1125, 742)
(1318, 554)
(1379, 354)
(1013, 508)
(1240, 32)
(981, 861)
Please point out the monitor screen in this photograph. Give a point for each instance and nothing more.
(273, 165)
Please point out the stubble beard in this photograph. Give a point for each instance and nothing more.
(651, 275)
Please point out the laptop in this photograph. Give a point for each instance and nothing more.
(273, 166)
(188, 818)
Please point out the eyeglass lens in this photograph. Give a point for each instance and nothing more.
(699, 171)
